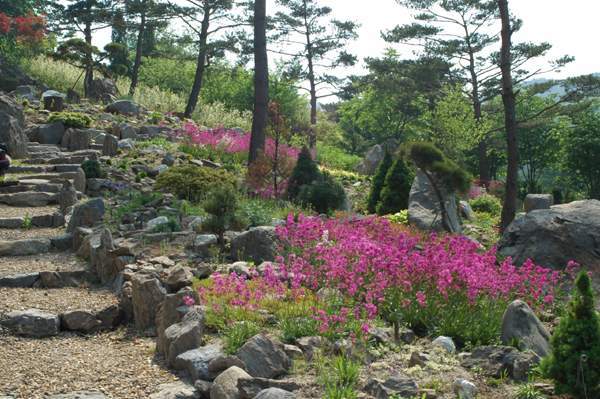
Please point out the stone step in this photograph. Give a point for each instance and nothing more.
(32, 185)
(56, 219)
(29, 198)
(48, 279)
(44, 168)
(77, 178)
(74, 157)
(31, 246)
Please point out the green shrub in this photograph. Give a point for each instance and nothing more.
(170, 227)
(378, 182)
(71, 119)
(191, 182)
(255, 213)
(574, 363)
(396, 188)
(336, 158)
(399, 217)
(93, 169)
(305, 172)
(486, 203)
(323, 195)
(237, 334)
(293, 328)
(222, 209)
(446, 172)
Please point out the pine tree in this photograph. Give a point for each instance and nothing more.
(378, 182)
(396, 188)
(305, 172)
(574, 364)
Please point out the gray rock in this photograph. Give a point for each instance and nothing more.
(293, 352)
(184, 336)
(76, 139)
(537, 201)
(110, 146)
(25, 247)
(203, 388)
(63, 242)
(50, 133)
(521, 325)
(464, 389)
(123, 107)
(225, 385)
(204, 242)
(222, 363)
(250, 387)
(79, 395)
(151, 130)
(126, 144)
(310, 345)
(466, 211)
(552, 237)
(424, 209)
(28, 199)
(158, 221)
(101, 257)
(196, 361)
(21, 280)
(168, 160)
(257, 244)
(176, 390)
(446, 343)
(147, 295)
(32, 323)
(86, 214)
(264, 357)
(12, 123)
(109, 317)
(127, 131)
(27, 92)
(80, 320)
(54, 101)
(104, 90)
(179, 277)
(274, 393)
(67, 197)
(397, 385)
(372, 159)
(494, 361)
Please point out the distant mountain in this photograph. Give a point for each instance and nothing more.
(557, 90)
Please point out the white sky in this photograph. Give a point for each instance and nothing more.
(572, 27)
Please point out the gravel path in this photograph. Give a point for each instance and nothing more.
(55, 300)
(21, 234)
(15, 211)
(115, 363)
(40, 263)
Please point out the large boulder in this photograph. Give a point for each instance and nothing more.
(26, 92)
(50, 133)
(184, 336)
(170, 311)
(110, 147)
(226, 384)
(424, 209)
(274, 393)
(12, 123)
(123, 107)
(32, 323)
(104, 90)
(537, 201)
(552, 237)
(176, 390)
(521, 325)
(54, 101)
(372, 159)
(257, 244)
(101, 257)
(196, 361)
(496, 361)
(395, 386)
(86, 214)
(77, 139)
(264, 357)
(147, 295)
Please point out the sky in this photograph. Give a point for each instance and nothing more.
(572, 27)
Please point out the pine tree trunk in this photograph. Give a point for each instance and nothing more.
(261, 82)
(138, 54)
(510, 119)
(200, 66)
(89, 62)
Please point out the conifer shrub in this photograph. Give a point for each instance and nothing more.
(305, 172)
(486, 203)
(431, 160)
(323, 195)
(378, 183)
(396, 188)
(574, 363)
(222, 207)
(193, 183)
(76, 120)
(93, 169)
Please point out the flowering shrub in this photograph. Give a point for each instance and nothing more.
(29, 28)
(441, 285)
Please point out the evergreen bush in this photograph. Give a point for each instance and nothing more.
(192, 183)
(378, 182)
(222, 208)
(305, 172)
(431, 160)
(396, 188)
(323, 195)
(574, 363)
(76, 120)
(93, 169)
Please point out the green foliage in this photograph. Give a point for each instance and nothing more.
(428, 157)
(222, 209)
(574, 363)
(71, 119)
(27, 222)
(237, 334)
(323, 195)
(340, 377)
(305, 172)
(255, 213)
(378, 182)
(293, 328)
(528, 391)
(396, 188)
(93, 169)
(400, 217)
(171, 226)
(129, 202)
(486, 203)
(334, 157)
(192, 183)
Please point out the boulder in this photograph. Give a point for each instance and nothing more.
(396, 386)
(494, 361)
(76, 139)
(522, 326)
(28, 198)
(125, 131)
(264, 357)
(147, 295)
(552, 237)
(31, 246)
(424, 209)
(466, 211)
(21, 280)
(179, 277)
(86, 214)
(54, 101)
(104, 90)
(176, 390)
(372, 159)
(196, 361)
(26, 92)
(184, 336)
(445, 343)
(537, 201)
(32, 323)
(225, 385)
(80, 320)
(274, 393)
(12, 122)
(223, 362)
(250, 387)
(203, 242)
(170, 311)
(101, 257)
(67, 196)
(123, 107)
(50, 133)
(257, 244)
(464, 389)
(110, 146)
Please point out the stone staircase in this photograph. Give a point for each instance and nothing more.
(60, 330)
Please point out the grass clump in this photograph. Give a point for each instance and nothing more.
(76, 120)
(236, 335)
(193, 183)
(340, 377)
